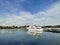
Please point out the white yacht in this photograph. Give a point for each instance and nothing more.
(33, 29)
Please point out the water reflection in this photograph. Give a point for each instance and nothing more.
(35, 34)
(20, 37)
(3, 31)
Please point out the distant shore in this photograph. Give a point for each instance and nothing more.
(25, 26)
(48, 28)
(12, 27)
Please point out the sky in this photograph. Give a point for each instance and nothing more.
(28, 12)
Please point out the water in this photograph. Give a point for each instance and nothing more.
(21, 37)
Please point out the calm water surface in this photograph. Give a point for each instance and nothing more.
(21, 37)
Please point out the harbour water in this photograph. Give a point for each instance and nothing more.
(21, 37)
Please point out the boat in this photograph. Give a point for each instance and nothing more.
(35, 31)
(34, 28)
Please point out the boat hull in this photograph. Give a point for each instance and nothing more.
(35, 30)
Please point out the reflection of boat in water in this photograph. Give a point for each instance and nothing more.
(35, 30)
(34, 34)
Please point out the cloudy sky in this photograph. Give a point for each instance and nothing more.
(26, 12)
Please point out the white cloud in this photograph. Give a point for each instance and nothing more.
(22, 19)
(51, 16)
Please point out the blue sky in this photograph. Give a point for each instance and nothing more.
(26, 12)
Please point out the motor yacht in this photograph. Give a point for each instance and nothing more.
(34, 29)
